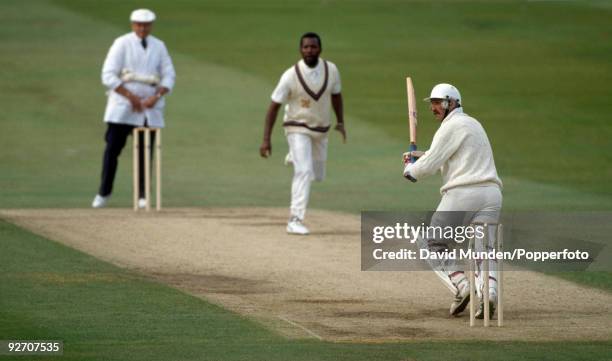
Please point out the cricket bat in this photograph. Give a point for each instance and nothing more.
(412, 116)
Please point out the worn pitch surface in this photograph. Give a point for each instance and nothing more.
(242, 259)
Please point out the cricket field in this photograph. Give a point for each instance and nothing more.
(214, 276)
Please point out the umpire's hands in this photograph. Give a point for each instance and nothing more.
(150, 101)
(136, 102)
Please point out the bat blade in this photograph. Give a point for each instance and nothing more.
(412, 115)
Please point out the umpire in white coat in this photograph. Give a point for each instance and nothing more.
(138, 72)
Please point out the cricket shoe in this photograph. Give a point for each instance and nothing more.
(462, 297)
(295, 226)
(142, 203)
(492, 303)
(99, 201)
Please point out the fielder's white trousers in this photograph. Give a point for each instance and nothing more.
(481, 204)
(309, 155)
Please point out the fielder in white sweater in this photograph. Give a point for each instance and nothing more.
(309, 90)
(471, 187)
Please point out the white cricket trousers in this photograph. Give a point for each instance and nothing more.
(481, 204)
(309, 155)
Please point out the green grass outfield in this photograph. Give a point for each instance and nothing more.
(536, 74)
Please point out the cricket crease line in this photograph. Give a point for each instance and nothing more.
(311, 333)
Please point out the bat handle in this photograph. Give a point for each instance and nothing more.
(412, 147)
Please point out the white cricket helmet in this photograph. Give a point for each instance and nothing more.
(445, 92)
(142, 16)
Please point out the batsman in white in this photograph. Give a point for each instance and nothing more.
(309, 89)
(137, 72)
(461, 151)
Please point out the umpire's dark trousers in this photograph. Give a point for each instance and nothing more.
(116, 137)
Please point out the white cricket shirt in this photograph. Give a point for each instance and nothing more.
(461, 151)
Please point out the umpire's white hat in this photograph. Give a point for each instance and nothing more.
(142, 16)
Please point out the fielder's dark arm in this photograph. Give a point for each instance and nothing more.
(265, 150)
(339, 110)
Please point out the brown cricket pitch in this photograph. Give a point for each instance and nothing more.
(311, 287)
